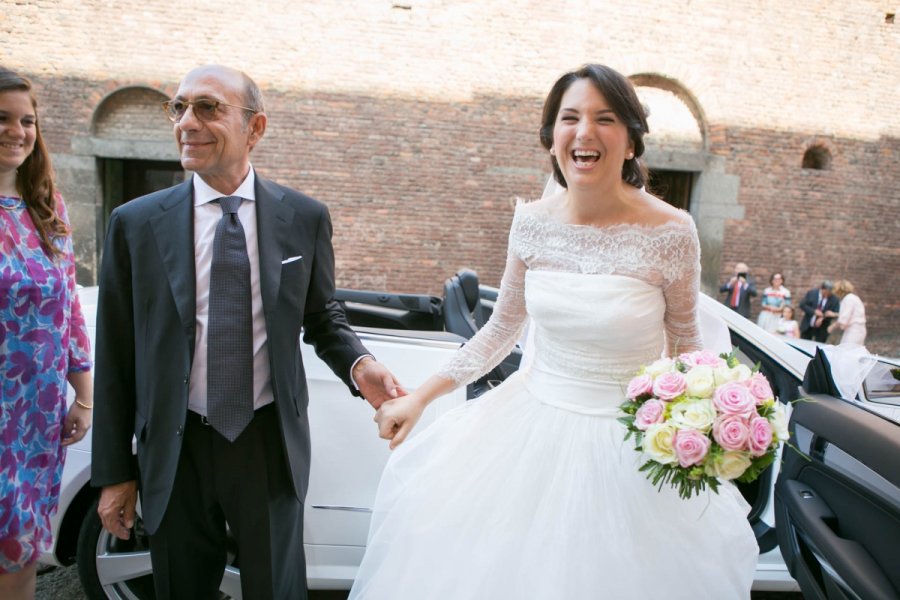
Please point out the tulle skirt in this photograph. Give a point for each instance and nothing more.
(511, 497)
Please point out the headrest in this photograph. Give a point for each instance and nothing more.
(468, 281)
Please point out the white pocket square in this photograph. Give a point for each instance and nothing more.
(291, 259)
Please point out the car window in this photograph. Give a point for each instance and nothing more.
(883, 383)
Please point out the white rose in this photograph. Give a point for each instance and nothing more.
(729, 465)
(742, 373)
(657, 443)
(779, 422)
(701, 381)
(725, 375)
(659, 366)
(696, 414)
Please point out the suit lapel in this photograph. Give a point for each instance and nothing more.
(273, 220)
(173, 228)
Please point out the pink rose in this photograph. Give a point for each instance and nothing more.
(734, 398)
(669, 386)
(760, 437)
(731, 432)
(701, 358)
(690, 447)
(649, 413)
(639, 386)
(759, 388)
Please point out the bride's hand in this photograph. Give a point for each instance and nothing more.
(396, 418)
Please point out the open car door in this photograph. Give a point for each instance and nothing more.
(837, 497)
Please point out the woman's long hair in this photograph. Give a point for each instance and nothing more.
(34, 179)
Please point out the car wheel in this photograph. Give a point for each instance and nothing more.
(112, 568)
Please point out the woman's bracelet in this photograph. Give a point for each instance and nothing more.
(83, 405)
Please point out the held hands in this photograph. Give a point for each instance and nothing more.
(117, 508)
(78, 421)
(396, 418)
(376, 383)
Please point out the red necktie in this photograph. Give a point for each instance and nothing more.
(736, 294)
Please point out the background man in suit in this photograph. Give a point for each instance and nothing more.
(738, 290)
(204, 289)
(820, 307)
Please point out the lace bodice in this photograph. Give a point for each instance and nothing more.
(666, 257)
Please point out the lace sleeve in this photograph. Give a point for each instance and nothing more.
(682, 293)
(499, 335)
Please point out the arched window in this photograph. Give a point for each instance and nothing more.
(817, 157)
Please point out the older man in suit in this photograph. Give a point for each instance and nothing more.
(820, 307)
(738, 290)
(204, 289)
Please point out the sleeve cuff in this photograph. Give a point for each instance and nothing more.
(353, 366)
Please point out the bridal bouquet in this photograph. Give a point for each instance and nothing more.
(700, 418)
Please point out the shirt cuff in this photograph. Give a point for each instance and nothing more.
(353, 366)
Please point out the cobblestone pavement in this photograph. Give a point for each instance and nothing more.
(62, 584)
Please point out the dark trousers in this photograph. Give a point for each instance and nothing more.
(819, 334)
(245, 484)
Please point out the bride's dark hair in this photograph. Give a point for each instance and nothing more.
(620, 94)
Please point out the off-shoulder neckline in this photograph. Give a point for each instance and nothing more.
(544, 216)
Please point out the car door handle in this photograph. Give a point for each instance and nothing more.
(847, 559)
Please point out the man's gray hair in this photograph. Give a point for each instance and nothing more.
(253, 98)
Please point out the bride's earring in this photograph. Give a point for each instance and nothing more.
(552, 151)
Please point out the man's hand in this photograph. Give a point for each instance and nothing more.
(375, 382)
(117, 508)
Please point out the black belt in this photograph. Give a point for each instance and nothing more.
(202, 420)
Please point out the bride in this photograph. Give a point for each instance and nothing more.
(529, 491)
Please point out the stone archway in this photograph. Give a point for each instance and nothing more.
(131, 150)
(679, 142)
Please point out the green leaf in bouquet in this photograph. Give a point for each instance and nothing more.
(629, 408)
(766, 409)
(756, 467)
(646, 466)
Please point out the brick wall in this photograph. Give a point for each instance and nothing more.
(417, 125)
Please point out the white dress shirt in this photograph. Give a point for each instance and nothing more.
(207, 215)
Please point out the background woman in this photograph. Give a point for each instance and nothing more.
(852, 316)
(43, 341)
(774, 299)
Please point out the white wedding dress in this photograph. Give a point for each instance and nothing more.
(530, 490)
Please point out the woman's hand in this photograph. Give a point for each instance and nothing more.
(396, 418)
(78, 421)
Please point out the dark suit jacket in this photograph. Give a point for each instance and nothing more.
(145, 331)
(748, 291)
(811, 303)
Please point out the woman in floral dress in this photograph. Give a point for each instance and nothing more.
(43, 341)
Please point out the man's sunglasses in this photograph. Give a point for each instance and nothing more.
(205, 110)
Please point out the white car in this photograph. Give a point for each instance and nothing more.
(348, 457)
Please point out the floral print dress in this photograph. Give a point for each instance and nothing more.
(42, 338)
